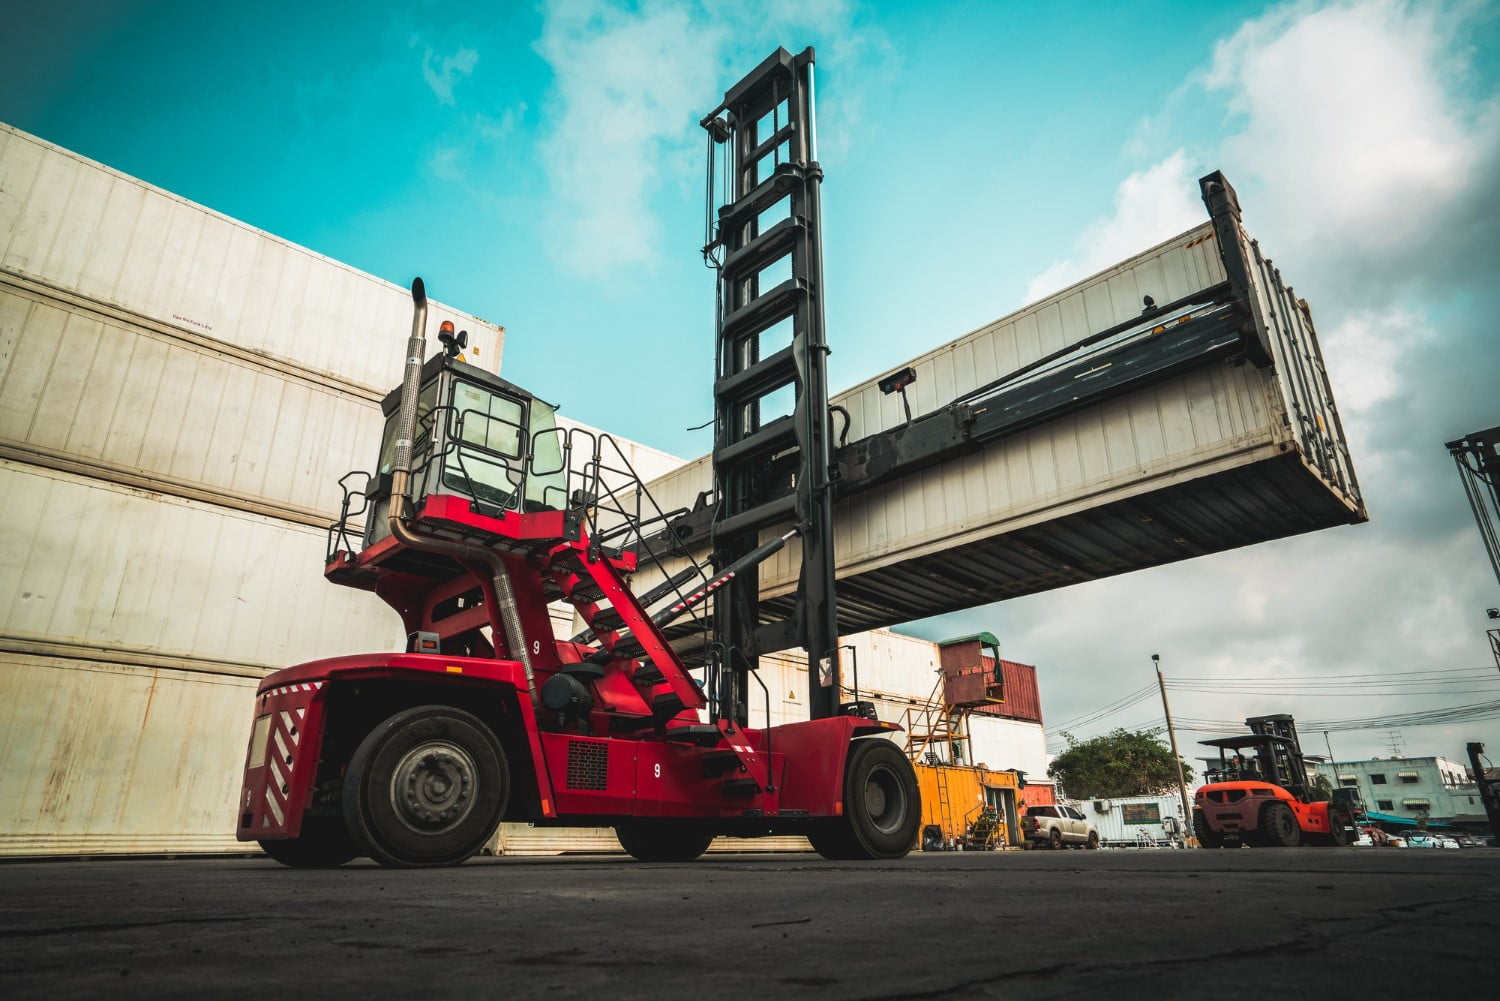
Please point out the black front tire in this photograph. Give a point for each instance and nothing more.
(426, 787)
(1207, 836)
(882, 806)
(1093, 842)
(1278, 826)
(662, 841)
(323, 843)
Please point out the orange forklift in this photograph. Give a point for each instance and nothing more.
(1259, 794)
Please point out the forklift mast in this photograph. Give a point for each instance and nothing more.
(1283, 757)
(772, 454)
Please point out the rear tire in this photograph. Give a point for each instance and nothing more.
(426, 787)
(1338, 835)
(1278, 826)
(882, 807)
(662, 841)
(1054, 840)
(323, 844)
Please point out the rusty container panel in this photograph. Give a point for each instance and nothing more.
(1038, 794)
(103, 758)
(1023, 699)
(955, 658)
(973, 687)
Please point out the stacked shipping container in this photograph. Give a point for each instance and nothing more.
(179, 394)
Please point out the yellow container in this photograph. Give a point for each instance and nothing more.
(954, 801)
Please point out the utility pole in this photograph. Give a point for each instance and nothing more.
(1332, 767)
(1189, 837)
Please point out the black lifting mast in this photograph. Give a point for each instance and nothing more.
(771, 467)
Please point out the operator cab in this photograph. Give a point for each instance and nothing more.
(1255, 758)
(478, 436)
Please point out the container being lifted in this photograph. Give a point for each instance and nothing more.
(1172, 406)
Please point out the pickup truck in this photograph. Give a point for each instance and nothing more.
(1055, 826)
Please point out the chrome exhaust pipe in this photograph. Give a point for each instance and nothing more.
(406, 427)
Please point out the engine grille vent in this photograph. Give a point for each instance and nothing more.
(588, 765)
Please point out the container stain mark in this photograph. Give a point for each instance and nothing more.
(790, 921)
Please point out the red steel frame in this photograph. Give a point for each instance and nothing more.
(649, 774)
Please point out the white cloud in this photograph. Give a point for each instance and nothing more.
(626, 86)
(630, 84)
(1374, 178)
(442, 75)
(1345, 117)
(1151, 205)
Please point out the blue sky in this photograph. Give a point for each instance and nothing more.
(541, 166)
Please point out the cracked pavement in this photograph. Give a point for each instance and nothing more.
(1230, 923)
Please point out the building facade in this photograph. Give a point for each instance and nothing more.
(1409, 789)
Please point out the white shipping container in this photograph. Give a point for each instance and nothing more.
(79, 231)
(179, 395)
(1140, 821)
(1216, 456)
(102, 757)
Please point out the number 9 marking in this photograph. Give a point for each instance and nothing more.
(536, 646)
(658, 770)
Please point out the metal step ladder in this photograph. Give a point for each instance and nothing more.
(770, 468)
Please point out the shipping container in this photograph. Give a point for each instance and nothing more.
(1038, 793)
(179, 395)
(1137, 821)
(79, 233)
(1023, 699)
(955, 800)
(1201, 457)
(1009, 743)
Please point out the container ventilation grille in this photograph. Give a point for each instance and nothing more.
(588, 765)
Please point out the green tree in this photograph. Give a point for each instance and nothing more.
(1321, 789)
(1121, 763)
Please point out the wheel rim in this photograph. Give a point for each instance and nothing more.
(885, 799)
(432, 787)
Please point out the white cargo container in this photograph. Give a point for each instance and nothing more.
(179, 394)
(1210, 457)
(1137, 821)
(83, 234)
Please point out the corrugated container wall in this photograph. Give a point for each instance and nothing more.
(179, 393)
(1135, 820)
(1214, 456)
(1023, 699)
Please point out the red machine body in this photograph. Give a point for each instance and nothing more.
(488, 716)
(483, 516)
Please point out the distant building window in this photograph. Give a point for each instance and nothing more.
(1409, 778)
(1384, 804)
(1348, 781)
(1377, 778)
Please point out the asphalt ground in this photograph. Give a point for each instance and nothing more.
(1263, 923)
